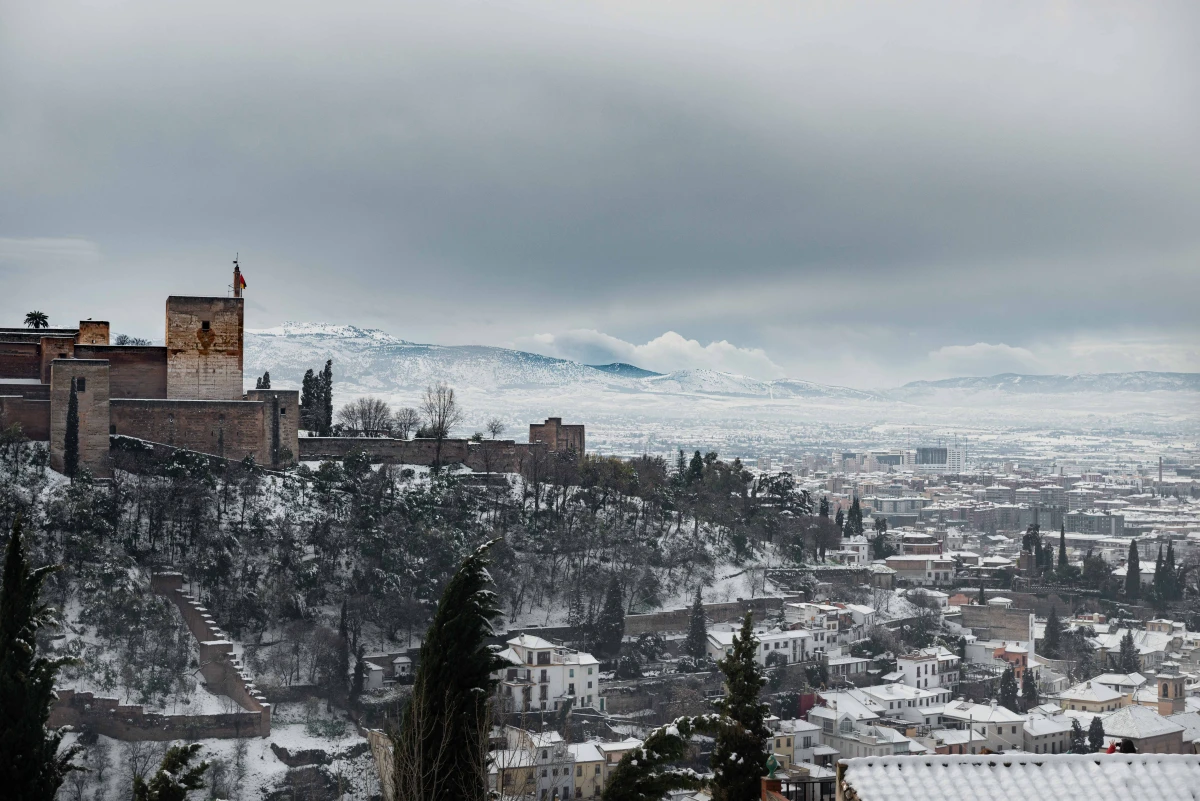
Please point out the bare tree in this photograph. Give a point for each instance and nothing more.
(495, 427)
(405, 421)
(441, 413)
(368, 417)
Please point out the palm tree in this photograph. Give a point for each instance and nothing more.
(37, 319)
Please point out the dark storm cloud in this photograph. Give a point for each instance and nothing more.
(852, 186)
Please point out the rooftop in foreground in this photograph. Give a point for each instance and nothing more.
(1030, 777)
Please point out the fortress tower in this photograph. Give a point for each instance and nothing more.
(204, 348)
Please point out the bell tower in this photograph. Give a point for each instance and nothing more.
(1171, 699)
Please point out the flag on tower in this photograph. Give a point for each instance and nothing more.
(241, 280)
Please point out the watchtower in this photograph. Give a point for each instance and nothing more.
(204, 348)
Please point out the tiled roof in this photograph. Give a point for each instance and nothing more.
(1041, 777)
(1136, 722)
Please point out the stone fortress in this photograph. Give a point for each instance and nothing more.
(188, 394)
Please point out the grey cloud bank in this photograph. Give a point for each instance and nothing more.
(857, 193)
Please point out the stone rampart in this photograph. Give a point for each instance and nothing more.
(728, 612)
(32, 415)
(230, 429)
(497, 456)
(136, 371)
(110, 717)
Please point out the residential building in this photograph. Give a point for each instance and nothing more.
(589, 769)
(1090, 696)
(999, 729)
(922, 570)
(786, 646)
(929, 668)
(552, 762)
(1047, 734)
(543, 676)
(1150, 732)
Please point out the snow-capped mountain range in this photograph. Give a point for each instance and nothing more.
(371, 360)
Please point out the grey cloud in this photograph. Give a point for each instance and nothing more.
(933, 174)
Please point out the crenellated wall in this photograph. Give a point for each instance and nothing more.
(496, 456)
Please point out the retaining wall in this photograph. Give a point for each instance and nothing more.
(497, 456)
(730, 612)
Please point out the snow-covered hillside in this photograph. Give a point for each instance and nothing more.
(1143, 381)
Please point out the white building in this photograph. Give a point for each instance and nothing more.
(908, 703)
(544, 676)
(929, 668)
(788, 646)
(999, 729)
(1047, 734)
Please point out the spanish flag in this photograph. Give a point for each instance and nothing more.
(241, 280)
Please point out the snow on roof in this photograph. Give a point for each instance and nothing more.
(510, 656)
(1191, 725)
(585, 752)
(1136, 722)
(1039, 725)
(530, 641)
(1101, 777)
(1092, 692)
(621, 745)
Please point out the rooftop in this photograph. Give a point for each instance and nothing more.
(1040, 777)
(1136, 722)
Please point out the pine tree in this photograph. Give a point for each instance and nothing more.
(325, 421)
(1095, 734)
(645, 774)
(610, 626)
(71, 437)
(174, 779)
(1029, 693)
(1133, 574)
(1051, 646)
(441, 750)
(1127, 654)
(740, 753)
(1062, 548)
(1078, 742)
(696, 645)
(31, 768)
(1008, 689)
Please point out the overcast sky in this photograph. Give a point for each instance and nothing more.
(856, 193)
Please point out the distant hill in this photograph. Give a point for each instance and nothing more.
(624, 370)
(1103, 383)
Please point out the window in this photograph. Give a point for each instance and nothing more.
(589, 685)
(571, 673)
(545, 755)
(543, 776)
(81, 385)
(579, 770)
(205, 325)
(766, 646)
(597, 770)
(570, 689)
(589, 673)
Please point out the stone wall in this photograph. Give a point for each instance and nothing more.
(93, 403)
(730, 612)
(998, 623)
(110, 717)
(558, 437)
(222, 671)
(20, 360)
(229, 429)
(281, 422)
(499, 456)
(204, 348)
(135, 371)
(32, 415)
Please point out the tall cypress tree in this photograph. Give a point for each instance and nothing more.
(1029, 693)
(740, 753)
(1062, 548)
(610, 626)
(31, 768)
(1173, 586)
(696, 644)
(326, 400)
(1127, 655)
(308, 401)
(1008, 689)
(856, 517)
(1051, 647)
(823, 509)
(1095, 734)
(441, 750)
(1133, 572)
(1160, 586)
(71, 437)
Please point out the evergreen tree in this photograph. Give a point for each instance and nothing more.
(325, 422)
(1051, 646)
(174, 778)
(1029, 693)
(308, 401)
(1127, 655)
(31, 768)
(441, 750)
(577, 616)
(1095, 734)
(840, 519)
(610, 626)
(695, 468)
(982, 599)
(740, 752)
(856, 517)
(1008, 689)
(1062, 548)
(1172, 576)
(696, 644)
(1078, 742)
(343, 677)
(71, 437)
(824, 507)
(1159, 582)
(645, 774)
(680, 468)
(1133, 574)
